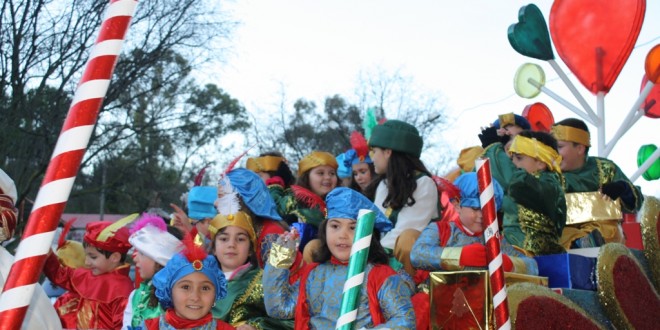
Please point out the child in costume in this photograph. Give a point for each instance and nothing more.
(303, 205)
(459, 243)
(536, 188)
(315, 299)
(100, 291)
(233, 247)
(187, 288)
(154, 247)
(405, 191)
(358, 160)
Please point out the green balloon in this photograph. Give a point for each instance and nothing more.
(530, 36)
(645, 151)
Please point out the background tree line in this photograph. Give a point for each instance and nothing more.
(158, 124)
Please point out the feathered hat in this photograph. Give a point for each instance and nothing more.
(109, 236)
(359, 152)
(149, 236)
(192, 259)
(230, 214)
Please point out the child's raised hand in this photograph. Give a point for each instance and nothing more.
(283, 251)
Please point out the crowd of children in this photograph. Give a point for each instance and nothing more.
(264, 250)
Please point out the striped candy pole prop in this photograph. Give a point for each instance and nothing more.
(64, 164)
(492, 238)
(356, 264)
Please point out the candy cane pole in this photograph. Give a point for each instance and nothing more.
(356, 264)
(492, 238)
(64, 164)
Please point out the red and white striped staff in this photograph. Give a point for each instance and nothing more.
(64, 164)
(492, 238)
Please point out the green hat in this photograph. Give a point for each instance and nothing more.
(397, 135)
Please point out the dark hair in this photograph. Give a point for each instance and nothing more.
(377, 254)
(303, 180)
(354, 185)
(153, 300)
(575, 123)
(106, 253)
(543, 137)
(402, 171)
(283, 170)
(252, 256)
(174, 231)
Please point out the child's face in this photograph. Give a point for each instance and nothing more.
(322, 179)
(97, 261)
(193, 296)
(339, 237)
(380, 157)
(145, 265)
(529, 164)
(471, 218)
(232, 248)
(361, 174)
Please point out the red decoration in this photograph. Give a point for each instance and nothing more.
(595, 37)
(539, 117)
(63, 167)
(650, 105)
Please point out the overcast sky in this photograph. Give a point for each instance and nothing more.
(314, 49)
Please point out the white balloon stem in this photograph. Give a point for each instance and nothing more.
(594, 119)
(622, 130)
(645, 166)
(561, 100)
(600, 107)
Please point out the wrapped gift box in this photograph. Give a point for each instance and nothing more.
(568, 270)
(513, 278)
(460, 300)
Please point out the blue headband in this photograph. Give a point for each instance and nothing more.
(351, 158)
(254, 193)
(345, 203)
(178, 267)
(467, 183)
(519, 120)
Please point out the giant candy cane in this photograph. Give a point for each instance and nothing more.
(492, 237)
(64, 164)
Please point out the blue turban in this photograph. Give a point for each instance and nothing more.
(178, 267)
(345, 203)
(343, 171)
(200, 202)
(351, 158)
(254, 193)
(467, 183)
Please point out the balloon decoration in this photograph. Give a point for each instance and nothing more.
(521, 83)
(652, 64)
(539, 117)
(530, 36)
(650, 105)
(595, 37)
(645, 151)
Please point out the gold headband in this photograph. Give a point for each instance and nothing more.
(572, 134)
(538, 150)
(315, 159)
(507, 119)
(239, 219)
(264, 164)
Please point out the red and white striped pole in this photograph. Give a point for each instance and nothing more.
(492, 238)
(64, 164)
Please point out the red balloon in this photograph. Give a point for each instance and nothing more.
(539, 117)
(595, 37)
(650, 105)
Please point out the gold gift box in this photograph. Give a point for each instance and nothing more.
(513, 278)
(590, 206)
(460, 300)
